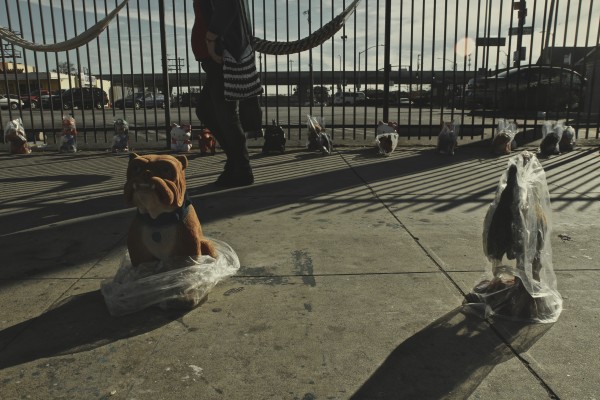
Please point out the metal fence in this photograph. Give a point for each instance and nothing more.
(415, 62)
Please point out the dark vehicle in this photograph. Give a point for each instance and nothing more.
(142, 100)
(186, 100)
(78, 97)
(533, 87)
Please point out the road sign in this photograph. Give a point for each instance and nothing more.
(485, 41)
(527, 30)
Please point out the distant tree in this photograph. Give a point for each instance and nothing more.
(66, 67)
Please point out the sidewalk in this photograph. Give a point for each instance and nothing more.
(353, 271)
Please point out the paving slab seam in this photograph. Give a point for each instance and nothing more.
(551, 394)
(31, 321)
(440, 265)
(428, 252)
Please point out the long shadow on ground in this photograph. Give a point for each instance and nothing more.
(449, 358)
(80, 323)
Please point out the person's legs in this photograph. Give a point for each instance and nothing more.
(251, 117)
(222, 117)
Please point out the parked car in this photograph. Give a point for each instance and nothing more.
(349, 98)
(142, 100)
(91, 97)
(30, 101)
(11, 101)
(532, 87)
(47, 99)
(185, 100)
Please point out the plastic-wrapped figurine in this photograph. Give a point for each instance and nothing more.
(552, 133)
(318, 139)
(504, 139)
(386, 138)
(68, 142)
(14, 133)
(567, 142)
(447, 139)
(181, 138)
(121, 138)
(517, 227)
(274, 138)
(207, 142)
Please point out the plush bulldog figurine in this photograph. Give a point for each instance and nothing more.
(15, 135)
(166, 226)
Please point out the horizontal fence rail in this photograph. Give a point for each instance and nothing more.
(415, 62)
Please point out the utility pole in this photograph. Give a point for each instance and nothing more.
(521, 7)
(386, 57)
(310, 61)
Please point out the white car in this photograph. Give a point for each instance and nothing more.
(349, 98)
(10, 100)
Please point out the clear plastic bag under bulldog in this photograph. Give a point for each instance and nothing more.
(158, 283)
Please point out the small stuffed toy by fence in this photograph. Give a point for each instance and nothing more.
(552, 132)
(274, 138)
(207, 142)
(68, 141)
(121, 138)
(386, 138)
(567, 142)
(504, 139)
(318, 139)
(447, 138)
(14, 134)
(181, 138)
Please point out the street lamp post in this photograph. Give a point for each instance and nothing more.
(310, 62)
(359, 54)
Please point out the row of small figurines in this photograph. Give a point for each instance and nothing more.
(181, 137)
(556, 137)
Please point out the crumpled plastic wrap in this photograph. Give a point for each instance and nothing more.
(68, 142)
(504, 139)
(121, 137)
(552, 132)
(176, 284)
(318, 139)
(447, 138)
(516, 241)
(181, 138)
(14, 134)
(386, 138)
(567, 142)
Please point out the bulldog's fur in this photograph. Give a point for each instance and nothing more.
(166, 226)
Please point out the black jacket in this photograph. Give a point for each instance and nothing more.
(226, 19)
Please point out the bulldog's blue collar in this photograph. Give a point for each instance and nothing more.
(168, 218)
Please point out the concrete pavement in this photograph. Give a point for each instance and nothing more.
(353, 270)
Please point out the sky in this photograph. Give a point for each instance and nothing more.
(424, 33)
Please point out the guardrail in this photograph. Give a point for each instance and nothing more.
(413, 62)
